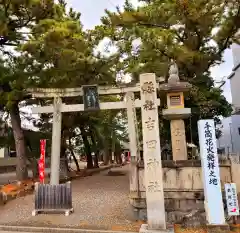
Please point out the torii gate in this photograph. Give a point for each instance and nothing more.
(151, 143)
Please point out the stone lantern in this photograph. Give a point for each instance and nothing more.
(176, 112)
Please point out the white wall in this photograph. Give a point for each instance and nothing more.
(225, 140)
(236, 54)
(235, 79)
(235, 88)
(236, 133)
(230, 139)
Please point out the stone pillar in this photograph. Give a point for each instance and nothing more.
(56, 141)
(152, 153)
(179, 146)
(133, 139)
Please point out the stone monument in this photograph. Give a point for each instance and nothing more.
(153, 174)
(176, 111)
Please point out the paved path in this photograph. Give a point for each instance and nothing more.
(99, 201)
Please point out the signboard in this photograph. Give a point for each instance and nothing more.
(211, 174)
(90, 98)
(175, 100)
(231, 199)
(41, 163)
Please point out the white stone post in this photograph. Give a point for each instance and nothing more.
(56, 141)
(133, 139)
(152, 153)
(211, 173)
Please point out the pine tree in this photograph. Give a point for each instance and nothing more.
(16, 21)
(60, 54)
(193, 33)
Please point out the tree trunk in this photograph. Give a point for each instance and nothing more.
(100, 158)
(21, 168)
(96, 151)
(32, 160)
(73, 155)
(106, 156)
(75, 160)
(64, 168)
(63, 163)
(87, 148)
(118, 158)
(96, 165)
(34, 165)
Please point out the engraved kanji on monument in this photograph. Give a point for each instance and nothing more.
(152, 153)
(211, 172)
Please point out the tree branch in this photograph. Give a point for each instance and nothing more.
(3, 43)
(229, 35)
(225, 44)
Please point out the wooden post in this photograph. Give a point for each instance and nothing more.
(152, 153)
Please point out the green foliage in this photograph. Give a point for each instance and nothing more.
(60, 54)
(55, 51)
(193, 33)
(18, 16)
(17, 19)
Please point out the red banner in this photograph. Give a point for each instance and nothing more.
(129, 156)
(41, 163)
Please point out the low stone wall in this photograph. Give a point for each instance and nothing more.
(183, 188)
(9, 165)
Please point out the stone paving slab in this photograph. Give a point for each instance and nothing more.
(53, 230)
(100, 203)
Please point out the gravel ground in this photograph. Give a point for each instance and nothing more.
(99, 201)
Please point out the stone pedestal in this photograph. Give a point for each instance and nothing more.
(179, 145)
